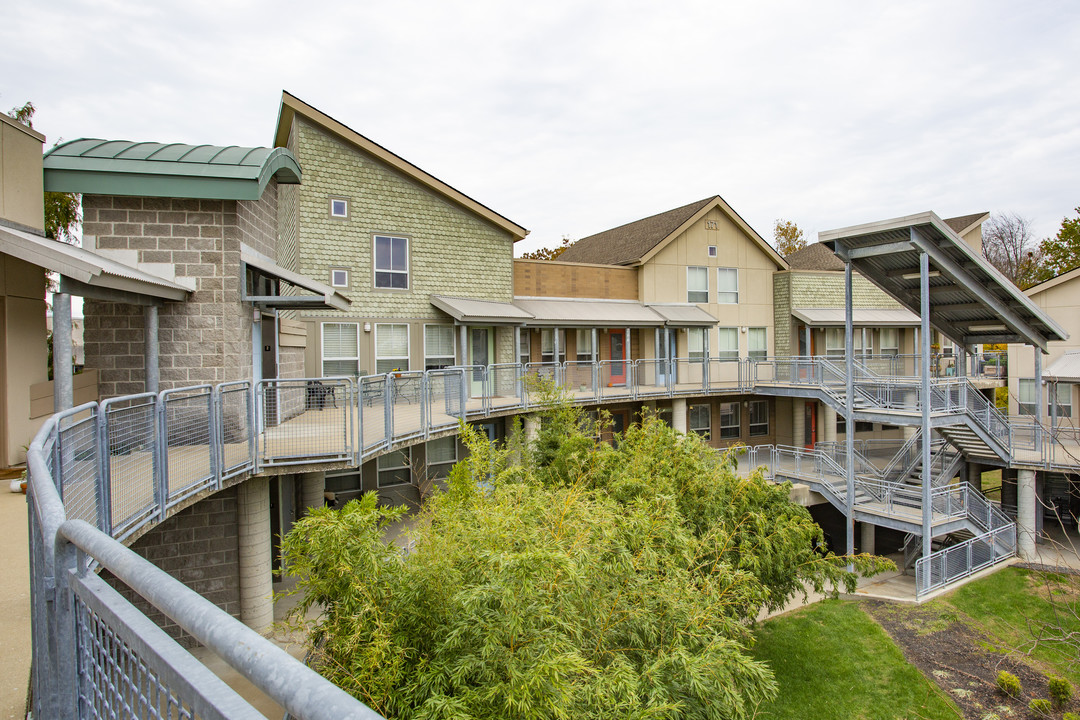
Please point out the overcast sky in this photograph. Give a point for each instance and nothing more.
(573, 117)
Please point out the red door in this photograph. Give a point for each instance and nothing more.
(618, 356)
(811, 424)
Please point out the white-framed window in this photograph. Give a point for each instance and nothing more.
(759, 418)
(339, 277)
(728, 343)
(695, 343)
(889, 341)
(547, 345)
(729, 421)
(525, 347)
(339, 208)
(712, 251)
(727, 286)
(442, 453)
(1064, 399)
(834, 342)
(391, 347)
(1026, 396)
(438, 346)
(391, 262)
(758, 343)
(395, 468)
(340, 349)
(700, 420)
(697, 284)
(583, 345)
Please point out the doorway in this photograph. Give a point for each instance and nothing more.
(666, 353)
(481, 350)
(810, 410)
(618, 342)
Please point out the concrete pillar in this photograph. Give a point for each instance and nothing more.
(678, 414)
(1025, 514)
(63, 383)
(312, 491)
(150, 349)
(798, 422)
(531, 426)
(256, 574)
(829, 424)
(463, 342)
(868, 532)
(974, 475)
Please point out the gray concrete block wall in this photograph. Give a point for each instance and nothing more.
(199, 547)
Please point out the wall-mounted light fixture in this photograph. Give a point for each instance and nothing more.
(367, 327)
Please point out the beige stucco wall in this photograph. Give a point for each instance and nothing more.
(1060, 302)
(20, 174)
(25, 353)
(662, 279)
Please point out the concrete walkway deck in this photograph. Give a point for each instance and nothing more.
(14, 600)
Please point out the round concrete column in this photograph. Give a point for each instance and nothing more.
(312, 490)
(798, 423)
(532, 427)
(868, 535)
(256, 575)
(678, 414)
(974, 475)
(830, 424)
(1025, 514)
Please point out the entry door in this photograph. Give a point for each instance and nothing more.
(481, 350)
(618, 356)
(666, 354)
(810, 424)
(266, 359)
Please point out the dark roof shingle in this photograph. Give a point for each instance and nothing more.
(959, 224)
(814, 257)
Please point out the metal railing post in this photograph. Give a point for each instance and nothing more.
(160, 457)
(388, 409)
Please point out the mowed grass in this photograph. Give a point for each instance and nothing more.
(831, 660)
(1011, 608)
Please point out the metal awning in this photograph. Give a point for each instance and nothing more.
(863, 317)
(324, 297)
(1065, 369)
(471, 311)
(970, 301)
(682, 315)
(576, 312)
(87, 270)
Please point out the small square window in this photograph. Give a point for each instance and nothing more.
(712, 251)
(339, 277)
(339, 208)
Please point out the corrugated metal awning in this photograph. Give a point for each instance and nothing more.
(324, 295)
(1065, 369)
(577, 312)
(863, 317)
(86, 267)
(683, 315)
(474, 312)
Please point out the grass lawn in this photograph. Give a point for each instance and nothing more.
(832, 661)
(1009, 607)
(991, 484)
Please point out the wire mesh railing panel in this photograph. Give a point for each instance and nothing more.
(579, 380)
(189, 442)
(954, 563)
(536, 374)
(689, 375)
(651, 377)
(445, 397)
(407, 391)
(78, 465)
(615, 378)
(131, 459)
(235, 422)
(505, 386)
(305, 420)
(724, 374)
(372, 395)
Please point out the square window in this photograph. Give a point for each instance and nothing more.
(695, 343)
(391, 348)
(395, 468)
(759, 418)
(758, 339)
(700, 420)
(712, 251)
(729, 421)
(441, 457)
(583, 337)
(340, 349)
(391, 262)
(339, 277)
(339, 208)
(697, 284)
(438, 346)
(727, 286)
(729, 343)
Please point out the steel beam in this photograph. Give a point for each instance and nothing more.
(63, 383)
(849, 404)
(151, 349)
(924, 376)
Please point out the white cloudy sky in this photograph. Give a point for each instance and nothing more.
(573, 117)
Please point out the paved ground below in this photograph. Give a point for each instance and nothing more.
(14, 601)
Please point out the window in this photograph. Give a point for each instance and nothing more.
(1064, 399)
(441, 456)
(584, 345)
(547, 345)
(340, 349)
(727, 285)
(759, 418)
(701, 420)
(729, 343)
(697, 284)
(438, 346)
(889, 340)
(759, 344)
(712, 251)
(695, 340)
(391, 347)
(339, 277)
(339, 208)
(835, 343)
(391, 262)
(1026, 398)
(525, 347)
(395, 468)
(729, 421)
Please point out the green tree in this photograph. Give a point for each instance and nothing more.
(62, 216)
(548, 253)
(1061, 253)
(787, 237)
(564, 578)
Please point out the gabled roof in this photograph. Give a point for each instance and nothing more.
(814, 257)
(1053, 282)
(634, 243)
(962, 224)
(291, 106)
(150, 169)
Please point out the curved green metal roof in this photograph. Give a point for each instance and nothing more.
(149, 169)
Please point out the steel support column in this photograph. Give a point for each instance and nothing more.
(150, 349)
(809, 348)
(1039, 405)
(924, 394)
(595, 345)
(849, 405)
(63, 384)
(463, 341)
